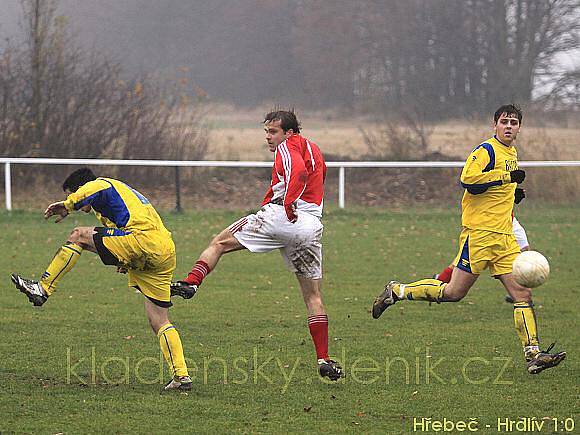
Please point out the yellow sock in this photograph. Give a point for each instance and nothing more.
(172, 350)
(63, 261)
(424, 290)
(525, 322)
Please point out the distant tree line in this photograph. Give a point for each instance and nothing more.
(431, 58)
(450, 57)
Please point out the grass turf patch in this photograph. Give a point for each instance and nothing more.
(87, 361)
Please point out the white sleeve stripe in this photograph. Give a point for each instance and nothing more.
(287, 162)
(311, 155)
(287, 169)
(303, 189)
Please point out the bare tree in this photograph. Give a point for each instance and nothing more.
(56, 101)
(401, 137)
(564, 94)
(454, 57)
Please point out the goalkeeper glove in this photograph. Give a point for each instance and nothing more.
(517, 176)
(519, 195)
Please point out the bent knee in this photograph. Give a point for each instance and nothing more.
(454, 298)
(82, 236)
(218, 244)
(224, 243)
(451, 295)
(76, 235)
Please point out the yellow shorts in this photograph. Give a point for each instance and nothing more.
(149, 257)
(480, 249)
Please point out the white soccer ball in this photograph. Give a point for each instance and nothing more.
(531, 269)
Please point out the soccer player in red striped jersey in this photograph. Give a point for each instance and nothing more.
(289, 220)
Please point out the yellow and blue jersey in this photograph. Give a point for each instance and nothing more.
(116, 205)
(488, 200)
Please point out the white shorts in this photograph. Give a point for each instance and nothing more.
(299, 243)
(520, 234)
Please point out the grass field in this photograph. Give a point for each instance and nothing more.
(87, 361)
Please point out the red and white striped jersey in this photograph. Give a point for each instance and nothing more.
(298, 176)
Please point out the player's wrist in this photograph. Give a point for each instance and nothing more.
(506, 178)
(69, 205)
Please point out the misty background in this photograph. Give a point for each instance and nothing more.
(451, 57)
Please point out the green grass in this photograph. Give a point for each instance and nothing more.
(249, 318)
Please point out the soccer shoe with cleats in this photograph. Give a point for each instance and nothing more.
(183, 289)
(544, 360)
(179, 383)
(330, 369)
(32, 289)
(385, 299)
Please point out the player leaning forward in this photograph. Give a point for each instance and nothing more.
(289, 220)
(490, 177)
(134, 239)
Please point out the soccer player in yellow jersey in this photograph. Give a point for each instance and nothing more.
(487, 241)
(134, 239)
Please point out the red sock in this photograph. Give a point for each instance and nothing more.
(445, 275)
(198, 273)
(318, 326)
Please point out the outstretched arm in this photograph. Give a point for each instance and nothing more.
(56, 208)
(78, 200)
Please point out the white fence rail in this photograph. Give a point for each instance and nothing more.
(8, 161)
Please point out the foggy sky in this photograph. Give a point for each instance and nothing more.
(162, 36)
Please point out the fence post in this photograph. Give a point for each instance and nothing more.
(341, 187)
(8, 186)
(178, 208)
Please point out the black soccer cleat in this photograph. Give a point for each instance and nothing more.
(183, 289)
(544, 360)
(385, 299)
(32, 289)
(330, 369)
(182, 383)
(509, 299)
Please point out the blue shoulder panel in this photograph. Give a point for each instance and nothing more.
(476, 189)
(108, 203)
(491, 152)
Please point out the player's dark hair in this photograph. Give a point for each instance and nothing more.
(77, 179)
(509, 109)
(287, 119)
